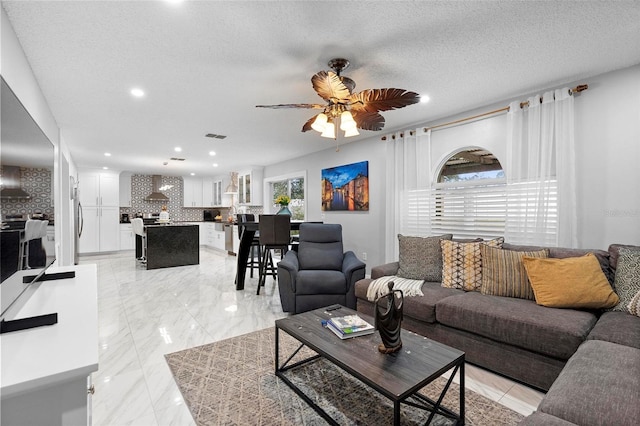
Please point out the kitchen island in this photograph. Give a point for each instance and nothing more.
(170, 245)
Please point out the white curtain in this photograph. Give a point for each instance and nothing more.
(541, 171)
(408, 170)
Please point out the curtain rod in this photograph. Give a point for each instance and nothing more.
(577, 89)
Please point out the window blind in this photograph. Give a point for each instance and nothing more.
(480, 208)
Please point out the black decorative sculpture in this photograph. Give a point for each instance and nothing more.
(388, 320)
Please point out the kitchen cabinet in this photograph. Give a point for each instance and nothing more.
(125, 189)
(211, 236)
(100, 229)
(250, 187)
(211, 193)
(99, 196)
(127, 237)
(99, 189)
(192, 192)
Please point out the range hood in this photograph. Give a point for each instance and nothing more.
(156, 195)
(11, 181)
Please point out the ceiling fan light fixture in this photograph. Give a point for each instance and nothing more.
(329, 131)
(351, 132)
(320, 123)
(346, 121)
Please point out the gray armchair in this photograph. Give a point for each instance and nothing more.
(319, 273)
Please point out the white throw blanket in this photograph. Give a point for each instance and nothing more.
(379, 287)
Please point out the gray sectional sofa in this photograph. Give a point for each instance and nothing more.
(588, 361)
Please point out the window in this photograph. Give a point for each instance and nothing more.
(294, 188)
(471, 199)
(468, 200)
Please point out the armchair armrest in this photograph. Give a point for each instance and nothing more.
(290, 262)
(385, 270)
(287, 275)
(353, 268)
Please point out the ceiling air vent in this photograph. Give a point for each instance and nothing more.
(213, 135)
(176, 159)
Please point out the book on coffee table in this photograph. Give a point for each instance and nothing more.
(349, 326)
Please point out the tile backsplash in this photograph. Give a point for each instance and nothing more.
(38, 183)
(141, 187)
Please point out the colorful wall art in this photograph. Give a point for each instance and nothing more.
(346, 188)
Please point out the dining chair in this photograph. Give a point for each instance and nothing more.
(275, 234)
(255, 252)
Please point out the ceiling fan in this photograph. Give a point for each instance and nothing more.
(346, 109)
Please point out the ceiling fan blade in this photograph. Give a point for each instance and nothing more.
(279, 106)
(330, 87)
(373, 100)
(307, 125)
(368, 120)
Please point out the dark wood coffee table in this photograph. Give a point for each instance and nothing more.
(397, 376)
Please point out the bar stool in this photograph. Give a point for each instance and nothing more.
(137, 225)
(275, 234)
(253, 262)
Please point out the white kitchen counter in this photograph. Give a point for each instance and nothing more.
(46, 368)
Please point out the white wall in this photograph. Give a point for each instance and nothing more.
(608, 165)
(361, 231)
(16, 71)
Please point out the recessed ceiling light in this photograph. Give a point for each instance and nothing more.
(137, 92)
(177, 149)
(193, 174)
(107, 154)
(424, 99)
(212, 153)
(105, 168)
(215, 164)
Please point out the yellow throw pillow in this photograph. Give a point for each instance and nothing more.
(572, 282)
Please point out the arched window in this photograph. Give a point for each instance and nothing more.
(470, 164)
(469, 198)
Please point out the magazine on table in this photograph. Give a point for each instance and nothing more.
(349, 326)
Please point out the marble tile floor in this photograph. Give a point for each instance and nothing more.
(143, 315)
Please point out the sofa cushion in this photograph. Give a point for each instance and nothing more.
(576, 282)
(424, 308)
(600, 385)
(421, 257)
(627, 278)
(503, 273)
(519, 322)
(617, 327)
(462, 264)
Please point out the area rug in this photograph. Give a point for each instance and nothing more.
(232, 382)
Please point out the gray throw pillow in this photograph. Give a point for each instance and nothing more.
(421, 257)
(627, 280)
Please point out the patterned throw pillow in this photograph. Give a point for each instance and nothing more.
(627, 280)
(421, 257)
(462, 264)
(503, 273)
(634, 305)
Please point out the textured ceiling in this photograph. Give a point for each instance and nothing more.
(205, 65)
